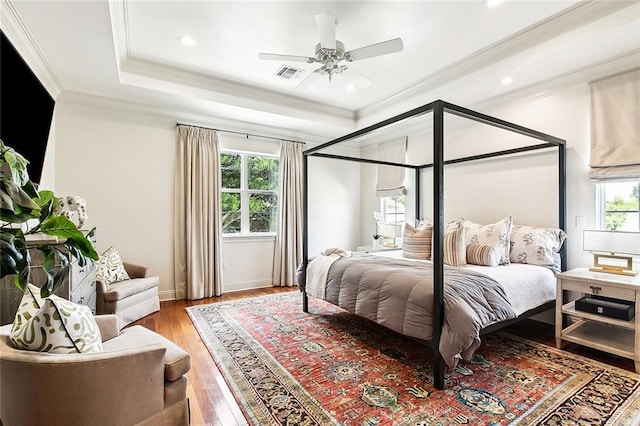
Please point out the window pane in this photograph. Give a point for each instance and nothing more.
(393, 209)
(263, 212)
(230, 165)
(263, 173)
(622, 206)
(231, 222)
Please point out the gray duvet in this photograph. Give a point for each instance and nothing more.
(398, 294)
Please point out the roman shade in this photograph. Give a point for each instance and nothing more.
(615, 127)
(390, 181)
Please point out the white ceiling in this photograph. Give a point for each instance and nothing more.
(458, 51)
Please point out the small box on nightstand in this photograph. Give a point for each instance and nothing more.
(607, 306)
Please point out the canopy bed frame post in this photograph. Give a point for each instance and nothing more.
(416, 197)
(562, 201)
(305, 233)
(438, 232)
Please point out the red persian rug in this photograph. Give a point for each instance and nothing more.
(329, 367)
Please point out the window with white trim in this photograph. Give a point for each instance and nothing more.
(249, 192)
(618, 206)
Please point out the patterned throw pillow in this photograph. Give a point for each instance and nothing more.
(416, 243)
(59, 326)
(454, 248)
(494, 234)
(109, 267)
(482, 254)
(29, 306)
(536, 246)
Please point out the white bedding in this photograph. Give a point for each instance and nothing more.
(526, 286)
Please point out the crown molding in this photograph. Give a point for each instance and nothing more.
(152, 75)
(17, 32)
(560, 23)
(169, 116)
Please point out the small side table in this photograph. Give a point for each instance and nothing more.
(600, 332)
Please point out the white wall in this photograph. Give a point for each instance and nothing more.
(334, 204)
(123, 165)
(523, 186)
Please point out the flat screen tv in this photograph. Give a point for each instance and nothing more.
(26, 109)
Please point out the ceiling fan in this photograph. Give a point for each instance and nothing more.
(331, 52)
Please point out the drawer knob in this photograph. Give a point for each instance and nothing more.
(595, 289)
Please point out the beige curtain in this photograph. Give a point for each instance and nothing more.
(615, 127)
(288, 248)
(197, 229)
(390, 182)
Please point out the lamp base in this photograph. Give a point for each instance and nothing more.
(615, 265)
(625, 272)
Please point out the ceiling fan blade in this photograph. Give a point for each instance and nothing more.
(378, 49)
(292, 58)
(309, 80)
(326, 25)
(357, 79)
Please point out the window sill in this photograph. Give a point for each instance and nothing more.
(248, 238)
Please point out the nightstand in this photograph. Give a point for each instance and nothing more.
(600, 332)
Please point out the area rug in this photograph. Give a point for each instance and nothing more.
(329, 367)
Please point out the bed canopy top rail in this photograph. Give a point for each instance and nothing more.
(438, 108)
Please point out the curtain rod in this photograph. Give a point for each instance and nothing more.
(239, 133)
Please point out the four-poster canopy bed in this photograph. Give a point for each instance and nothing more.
(438, 109)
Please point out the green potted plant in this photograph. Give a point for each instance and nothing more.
(26, 211)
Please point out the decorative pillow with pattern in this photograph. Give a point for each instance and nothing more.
(59, 326)
(494, 234)
(454, 247)
(536, 246)
(29, 306)
(109, 267)
(482, 254)
(416, 243)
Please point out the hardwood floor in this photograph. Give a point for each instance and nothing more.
(211, 400)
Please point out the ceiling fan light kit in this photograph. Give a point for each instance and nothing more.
(330, 52)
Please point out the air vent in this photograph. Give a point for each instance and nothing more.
(289, 73)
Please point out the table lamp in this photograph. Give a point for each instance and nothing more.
(614, 243)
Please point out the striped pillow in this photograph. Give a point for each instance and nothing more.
(454, 249)
(483, 254)
(416, 243)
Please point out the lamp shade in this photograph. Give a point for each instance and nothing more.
(612, 242)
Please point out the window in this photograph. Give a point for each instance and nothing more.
(619, 206)
(392, 209)
(249, 192)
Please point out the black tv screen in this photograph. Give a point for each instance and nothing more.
(26, 109)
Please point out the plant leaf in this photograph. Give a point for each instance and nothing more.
(19, 196)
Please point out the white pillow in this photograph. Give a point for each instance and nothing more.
(59, 326)
(498, 233)
(109, 267)
(536, 246)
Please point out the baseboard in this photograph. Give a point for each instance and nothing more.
(167, 295)
(247, 285)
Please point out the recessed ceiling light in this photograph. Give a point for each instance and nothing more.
(493, 3)
(507, 80)
(350, 87)
(187, 40)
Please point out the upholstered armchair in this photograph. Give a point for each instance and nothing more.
(130, 299)
(138, 379)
